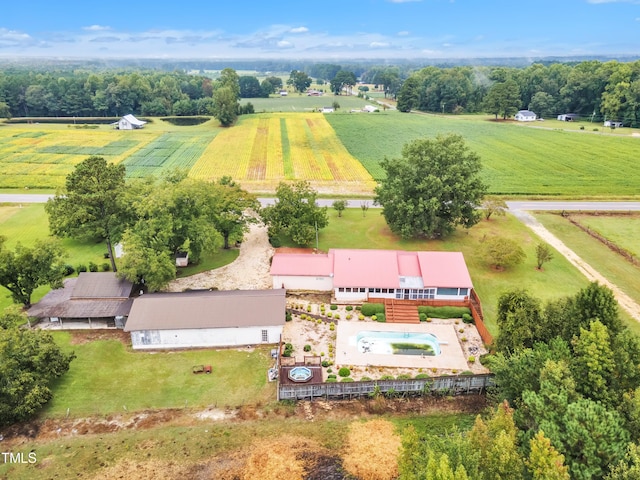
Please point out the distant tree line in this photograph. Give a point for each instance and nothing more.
(591, 89)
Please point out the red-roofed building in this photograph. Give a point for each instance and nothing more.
(358, 275)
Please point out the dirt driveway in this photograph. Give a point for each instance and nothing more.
(250, 271)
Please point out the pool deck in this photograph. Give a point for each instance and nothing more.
(452, 356)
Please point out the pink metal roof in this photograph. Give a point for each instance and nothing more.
(408, 265)
(320, 265)
(365, 268)
(444, 269)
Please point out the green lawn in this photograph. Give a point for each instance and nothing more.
(109, 377)
(559, 278)
(517, 159)
(613, 266)
(624, 230)
(295, 102)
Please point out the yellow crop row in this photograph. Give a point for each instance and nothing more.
(275, 164)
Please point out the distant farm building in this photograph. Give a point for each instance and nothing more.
(369, 108)
(206, 319)
(283, 93)
(525, 116)
(327, 110)
(129, 122)
(613, 124)
(568, 117)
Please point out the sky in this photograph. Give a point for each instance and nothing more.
(320, 30)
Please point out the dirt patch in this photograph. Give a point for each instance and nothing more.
(372, 450)
(250, 271)
(78, 337)
(294, 250)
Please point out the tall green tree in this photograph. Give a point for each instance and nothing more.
(343, 80)
(434, 187)
(503, 99)
(26, 268)
(503, 253)
(518, 320)
(299, 80)
(91, 205)
(225, 106)
(233, 209)
(295, 213)
(545, 462)
(29, 361)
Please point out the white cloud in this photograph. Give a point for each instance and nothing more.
(378, 45)
(299, 30)
(96, 28)
(402, 33)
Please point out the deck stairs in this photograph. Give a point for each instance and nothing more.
(400, 312)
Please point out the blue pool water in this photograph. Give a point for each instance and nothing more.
(397, 343)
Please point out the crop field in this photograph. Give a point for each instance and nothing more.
(42, 156)
(296, 102)
(262, 150)
(516, 159)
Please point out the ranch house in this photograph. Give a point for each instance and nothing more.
(128, 122)
(525, 116)
(206, 319)
(362, 275)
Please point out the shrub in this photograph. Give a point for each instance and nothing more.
(93, 267)
(309, 308)
(348, 308)
(326, 363)
(463, 339)
(403, 376)
(81, 268)
(349, 316)
(581, 127)
(332, 380)
(366, 379)
(422, 375)
(337, 316)
(472, 359)
(344, 372)
(275, 242)
(332, 326)
(105, 267)
(68, 270)
(329, 315)
(347, 379)
(307, 348)
(333, 307)
(381, 318)
(374, 317)
(369, 309)
(444, 312)
(423, 317)
(466, 372)
(461, 330)
(358, 308)
(288, 350)
(333, 375)
(322, 354)
(329, 370)
(387, 377)
(287, 316)
(466, 318)
(361, 317)
(595, 129)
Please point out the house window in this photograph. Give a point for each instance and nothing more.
(371, 290)
(362, 290)
(265, 336)
(391, 290)
(347, 289)
(377, 290)
(341, 289)
(384, 290)
(464, 291)
(447, 291)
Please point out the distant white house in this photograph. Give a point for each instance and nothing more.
(283, 93)
(369, 108)
(568, 117)
(525, 116)
(129, 122)
(613, 124)
(327, 110)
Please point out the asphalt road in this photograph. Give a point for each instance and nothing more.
(356, 203)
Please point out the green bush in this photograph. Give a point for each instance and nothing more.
(287, 316)
(344, 372)
(332, 380)
(366, 379)
(369, 309)
(329, 370)
(307, 348)
(444, 312)
(326, 363)
(422, 375)
(347, 380)
(288, 350)
(93, 267)
(81, 268)
(348, 308)
(332, 326)
(105, 267)
(333, 375)
(387, 377)
(333, 307)
(349, 316)
(68, 270)
(423, 317)
(275, 242)
(374, 317)
(467, 318)
(403, 376)
(380, 317)
(472, 359)
(467, 372)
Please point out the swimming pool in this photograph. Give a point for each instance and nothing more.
(398, 343)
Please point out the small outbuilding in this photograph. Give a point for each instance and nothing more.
(91, 300)
(328, 110)
(526, 116)
(197, 319)
(613, 124)
(129, 122)
(568, 117)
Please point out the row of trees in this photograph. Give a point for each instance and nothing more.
(592, 89)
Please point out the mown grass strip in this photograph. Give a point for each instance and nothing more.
(286, 150)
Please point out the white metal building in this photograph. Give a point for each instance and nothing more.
(206, 319)
(129, 122)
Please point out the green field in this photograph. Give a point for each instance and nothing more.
(608, 263)
(517, 159)
(300, 102)
(108, 376)
(622, 230)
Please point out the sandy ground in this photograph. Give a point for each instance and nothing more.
(250, 271)
(626, 302)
